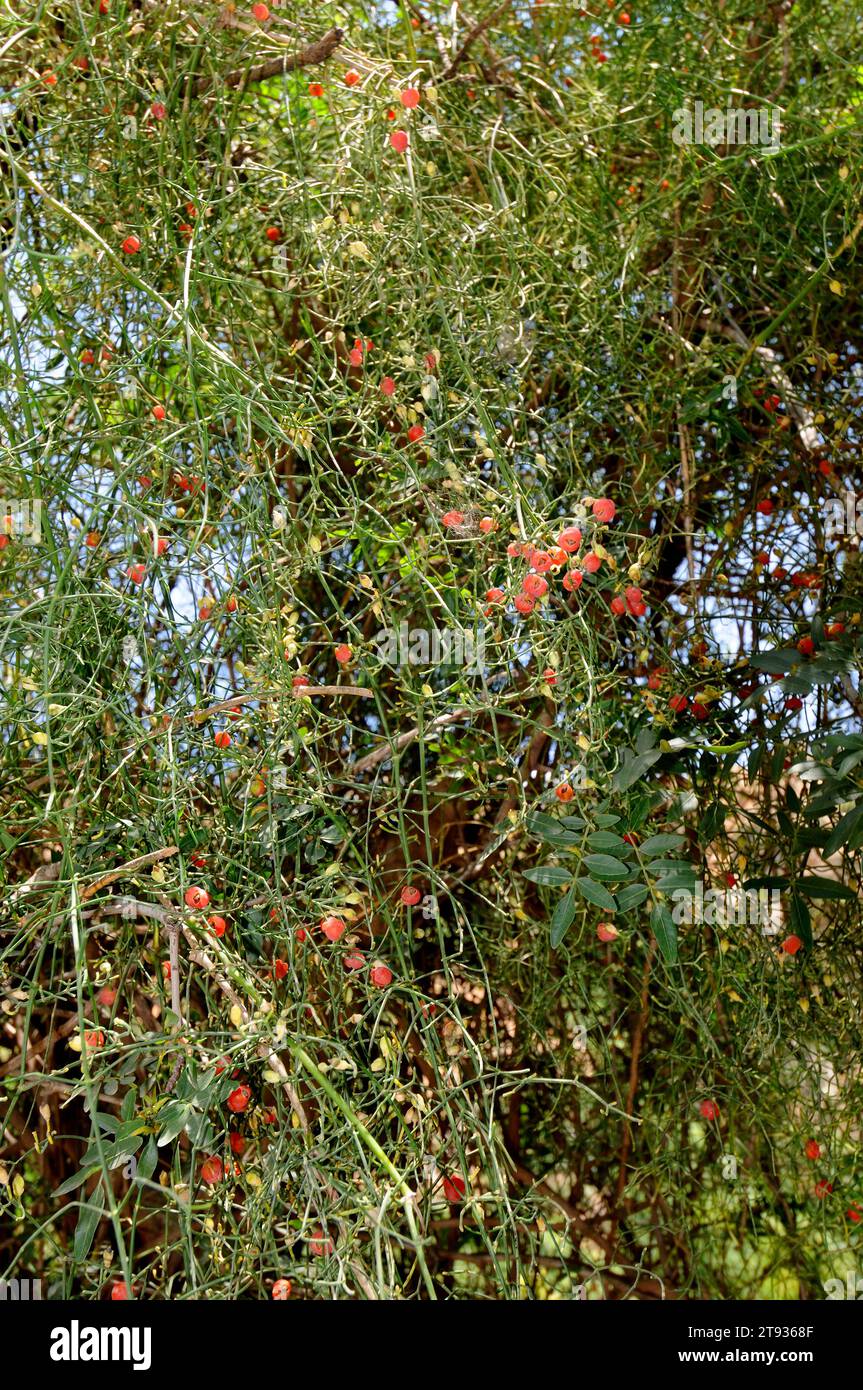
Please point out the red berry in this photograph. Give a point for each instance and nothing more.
(765, 507)
(495, 595)
(319, 1244)
(534, 586)
(196, 897)
(238, 1144)
(604, 509)
(217, 924)
(487, 524)
(415, 433)
(452, 519)
(617, 606)
(381, 976)
(136, 573)
(333, 928)
(106, 996)
(239, 1099)
(343, 654)
(569, 539)
(709, 1110)
(355, 961)
(549, 675)
(222, 739)
(813, 1149)
(410, 97)
(606, 932)
(94, 1038)
(791, 945)
(410, 896)
(131, 245)
(678, 703)
(454, 1188)
(280, 969)
(282, 1290)
(572, 580)
(158, 111)
(388, 386)
(273, 234)
(351, 78)
(564, 792)
(399, 140)
(524, 604)
(834, 629)
(120, 1291)
(823, 1188)
(158, 412)
(261, 13)
(212, 1171)
(539, 560)
(805, 646)
(592, 562)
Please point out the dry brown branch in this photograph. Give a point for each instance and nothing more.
(386, 750)
(236, 701)
(475, 33)
(127, 907)
(317, 52)
(141, 862)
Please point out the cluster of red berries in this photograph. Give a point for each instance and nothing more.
(334, 929)
(823, 1188)
(359, 351)
(558, 557)
(680, 704)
